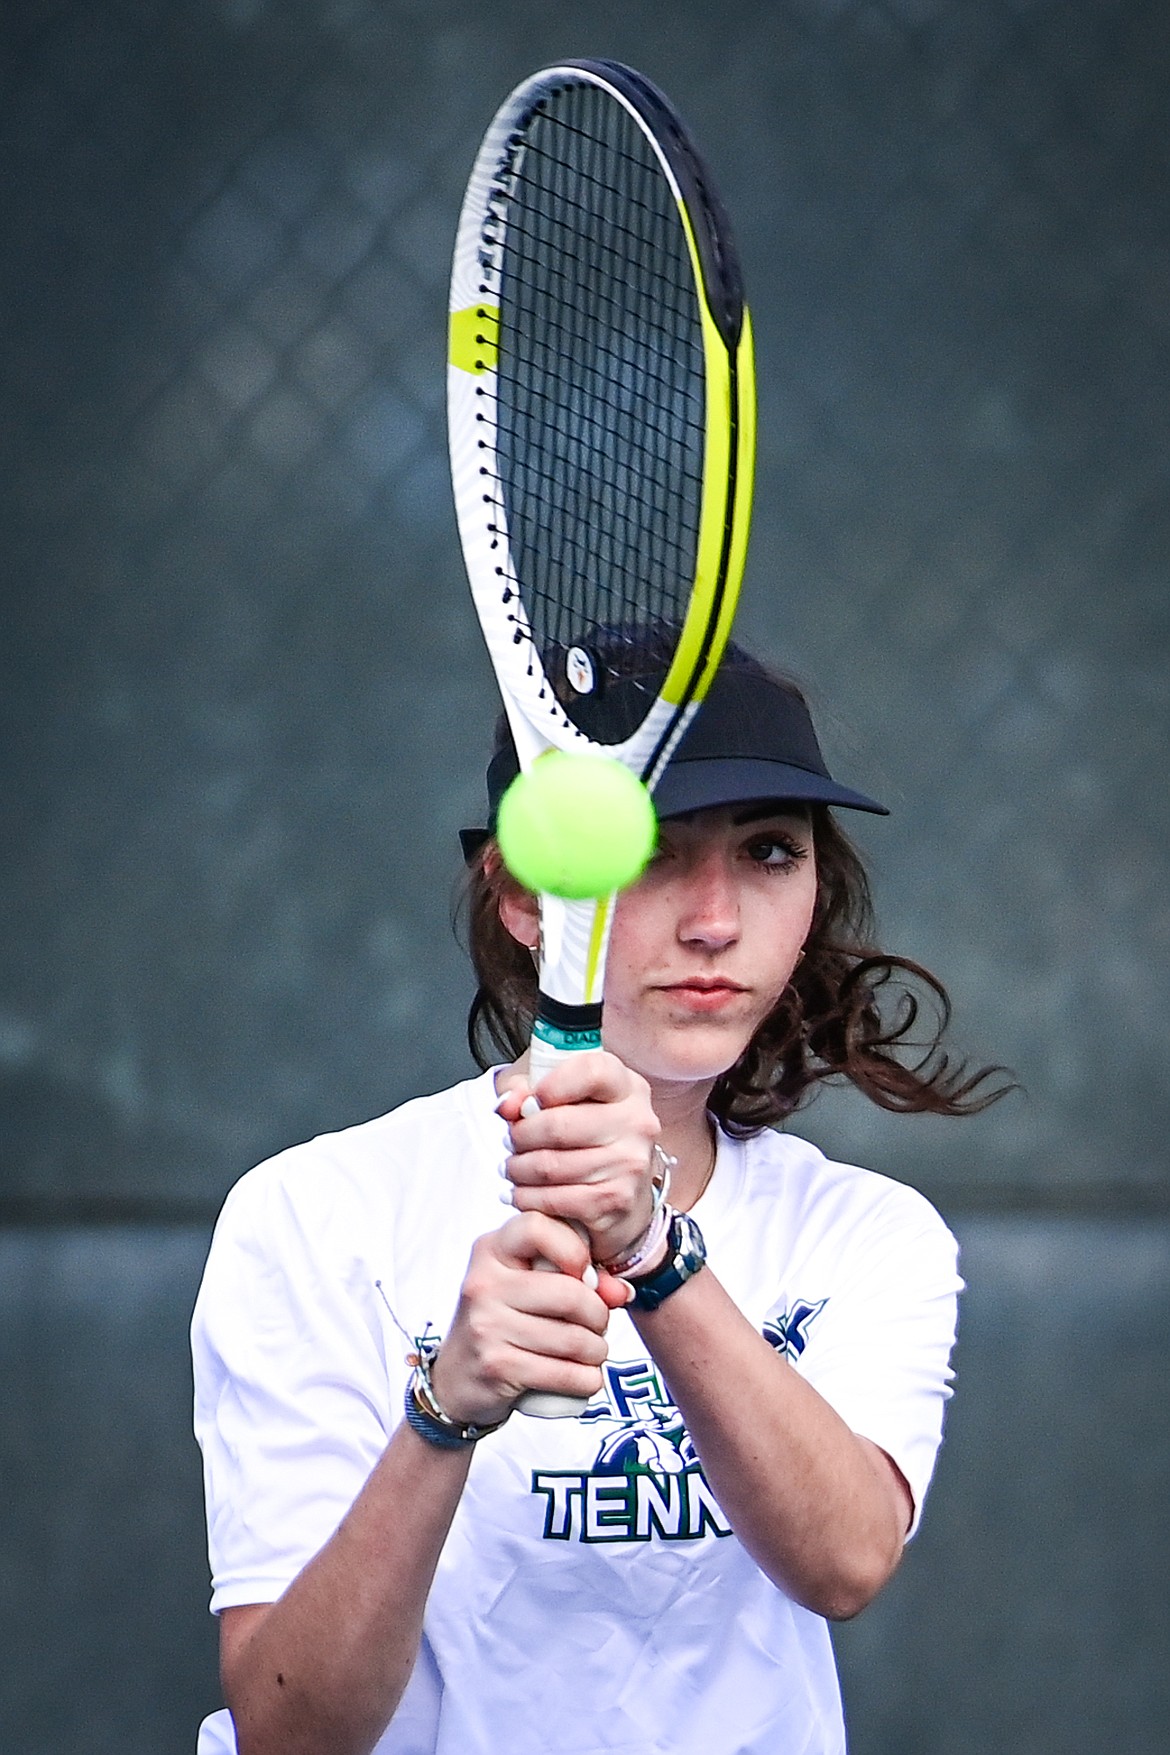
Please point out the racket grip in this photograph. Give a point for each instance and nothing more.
(545, 1404)
(560, 1031)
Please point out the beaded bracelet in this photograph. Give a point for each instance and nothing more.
(647, 1246)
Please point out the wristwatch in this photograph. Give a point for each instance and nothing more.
(685, 1254)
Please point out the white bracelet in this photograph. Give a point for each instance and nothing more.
(646, 1247)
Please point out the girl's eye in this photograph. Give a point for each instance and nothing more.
(776, 851)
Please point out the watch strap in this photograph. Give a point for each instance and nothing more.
(685, 1255)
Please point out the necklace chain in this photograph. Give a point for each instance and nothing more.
(709, 1172)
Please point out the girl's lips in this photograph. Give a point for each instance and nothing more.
(704, 996)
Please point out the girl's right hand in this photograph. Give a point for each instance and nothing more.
(515, 1329)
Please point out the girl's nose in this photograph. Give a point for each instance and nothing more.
(710, 913)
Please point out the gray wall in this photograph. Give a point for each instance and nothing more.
(244, 709)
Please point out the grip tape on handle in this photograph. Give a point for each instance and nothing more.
(543, 1404)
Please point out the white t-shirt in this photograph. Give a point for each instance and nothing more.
(590, 1595)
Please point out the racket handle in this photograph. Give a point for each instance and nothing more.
(546, 1404)
(553, 1042)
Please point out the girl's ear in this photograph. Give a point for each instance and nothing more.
(519, 911)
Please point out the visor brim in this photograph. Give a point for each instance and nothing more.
(707, 782)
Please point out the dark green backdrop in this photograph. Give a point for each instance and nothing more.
(244, 709)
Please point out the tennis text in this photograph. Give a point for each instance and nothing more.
(629, 1507)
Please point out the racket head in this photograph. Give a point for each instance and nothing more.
(601, 401)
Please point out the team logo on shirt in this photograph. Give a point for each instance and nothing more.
(788, 1332)
(646, 1482)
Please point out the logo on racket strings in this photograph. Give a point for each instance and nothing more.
(580, 671)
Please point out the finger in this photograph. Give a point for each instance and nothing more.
(563, 1377)
(551, 1338)
(589, 1206)
(605, 1212)
(559, 1298)
(536, 1238)
(536, 1353)
(588, 1278)
(614, 1293)
(514, 1092)
(592, 1076)
(576, 1126)
(563, 1167)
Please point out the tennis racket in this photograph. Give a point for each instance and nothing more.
(601, 414)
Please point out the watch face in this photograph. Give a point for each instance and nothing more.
(691, 1248)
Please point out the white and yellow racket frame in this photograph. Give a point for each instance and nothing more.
(575, 935)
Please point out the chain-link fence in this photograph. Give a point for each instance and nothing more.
(245, 705)
(245, 699)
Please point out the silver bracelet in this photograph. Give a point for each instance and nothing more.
(666, 1164)
(426, 1417)
(651, 1239)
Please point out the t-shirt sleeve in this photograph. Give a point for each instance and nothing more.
(880, 1349)
(291, 1399)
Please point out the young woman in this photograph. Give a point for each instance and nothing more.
(404, 1563)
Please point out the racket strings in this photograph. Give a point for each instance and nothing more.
(601, 402)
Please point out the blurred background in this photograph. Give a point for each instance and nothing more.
(245, 709)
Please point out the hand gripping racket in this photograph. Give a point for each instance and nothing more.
(601, 412)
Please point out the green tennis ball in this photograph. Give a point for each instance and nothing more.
(576, 825)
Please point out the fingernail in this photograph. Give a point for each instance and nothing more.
(529, 1108)
(590, 1277)
(507, 1196)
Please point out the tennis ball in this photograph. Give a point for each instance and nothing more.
(576, 826)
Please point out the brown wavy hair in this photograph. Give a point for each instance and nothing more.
(850, 1012)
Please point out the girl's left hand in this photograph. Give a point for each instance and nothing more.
(588, 1153)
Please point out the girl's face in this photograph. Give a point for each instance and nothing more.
(706, 941)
